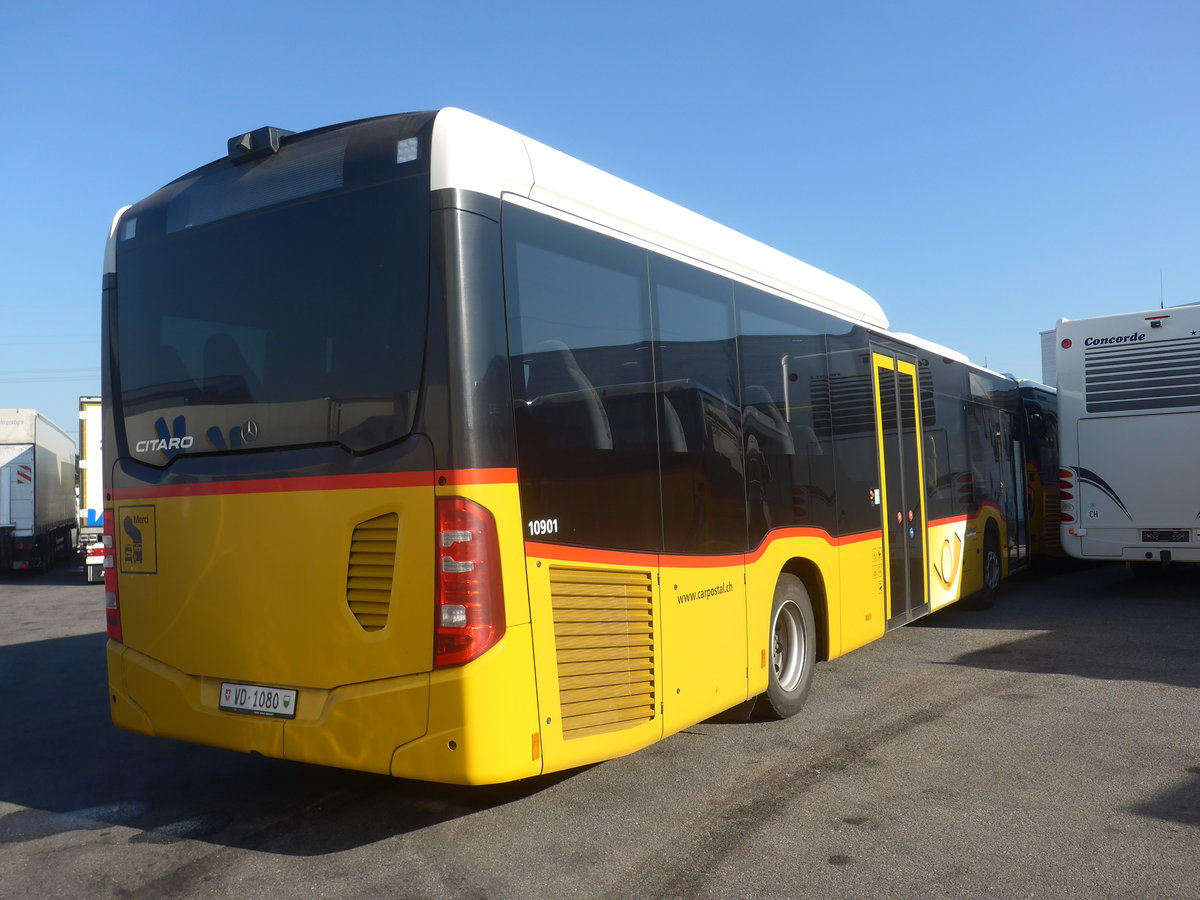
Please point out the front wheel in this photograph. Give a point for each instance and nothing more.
(793, 646)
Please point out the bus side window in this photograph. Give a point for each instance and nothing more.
(561, 395)
(931, 463)
(583, 382)
(704, 503)
(789, 439)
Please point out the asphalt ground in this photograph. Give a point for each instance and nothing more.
(1049, 747)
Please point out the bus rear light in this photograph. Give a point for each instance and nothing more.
(1067, 517)
(469, 594)
(453, 616)
(1066, 485)
(450, 538)
(112, 602)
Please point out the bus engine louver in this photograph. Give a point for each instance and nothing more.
(604, 647)
(371, 571)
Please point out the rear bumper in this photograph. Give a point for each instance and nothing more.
(1127, 544)
(476, 724)
(353, 727)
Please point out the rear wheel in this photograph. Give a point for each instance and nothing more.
(792, 647)
(985, 598)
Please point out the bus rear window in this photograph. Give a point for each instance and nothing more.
(298, 324)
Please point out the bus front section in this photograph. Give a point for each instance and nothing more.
(304, 554)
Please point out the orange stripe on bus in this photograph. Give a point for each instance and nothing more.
(666, 560)
(949, 520)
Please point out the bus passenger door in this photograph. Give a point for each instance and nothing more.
(898, 421)
(1016, 510)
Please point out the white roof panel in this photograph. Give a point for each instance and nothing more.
(471, 153)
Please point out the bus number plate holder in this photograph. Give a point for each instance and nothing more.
(278, 703)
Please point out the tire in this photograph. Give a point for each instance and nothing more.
(792, 642)
(985, 597)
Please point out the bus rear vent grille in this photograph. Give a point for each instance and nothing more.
(604, 639)
(1138, 376)
(372, 567)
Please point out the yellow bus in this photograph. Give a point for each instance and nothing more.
(432, 451)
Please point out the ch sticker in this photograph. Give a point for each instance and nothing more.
(137, 548)
(946, 569)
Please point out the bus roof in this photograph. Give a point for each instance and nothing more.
(1158, 313)
(947, 353)
(933, 347)
(472, 153)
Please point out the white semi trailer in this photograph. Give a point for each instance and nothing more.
(91, 490)
(37, 491)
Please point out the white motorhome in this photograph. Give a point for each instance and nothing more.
(1129, 419)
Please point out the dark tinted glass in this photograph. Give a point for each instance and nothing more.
(985, 453)
(789, 464)
(947, 475)
(852, 431)
(309, 319)
(699, 409)
(583, 384)
(257, 295)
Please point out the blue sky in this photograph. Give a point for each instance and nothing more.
(982, 168)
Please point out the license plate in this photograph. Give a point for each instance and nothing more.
(258, 700)
(1166, 535)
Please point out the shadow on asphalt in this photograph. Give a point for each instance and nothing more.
(72, 770)
(66, 572)
(1101, 623)
(1179, 804)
